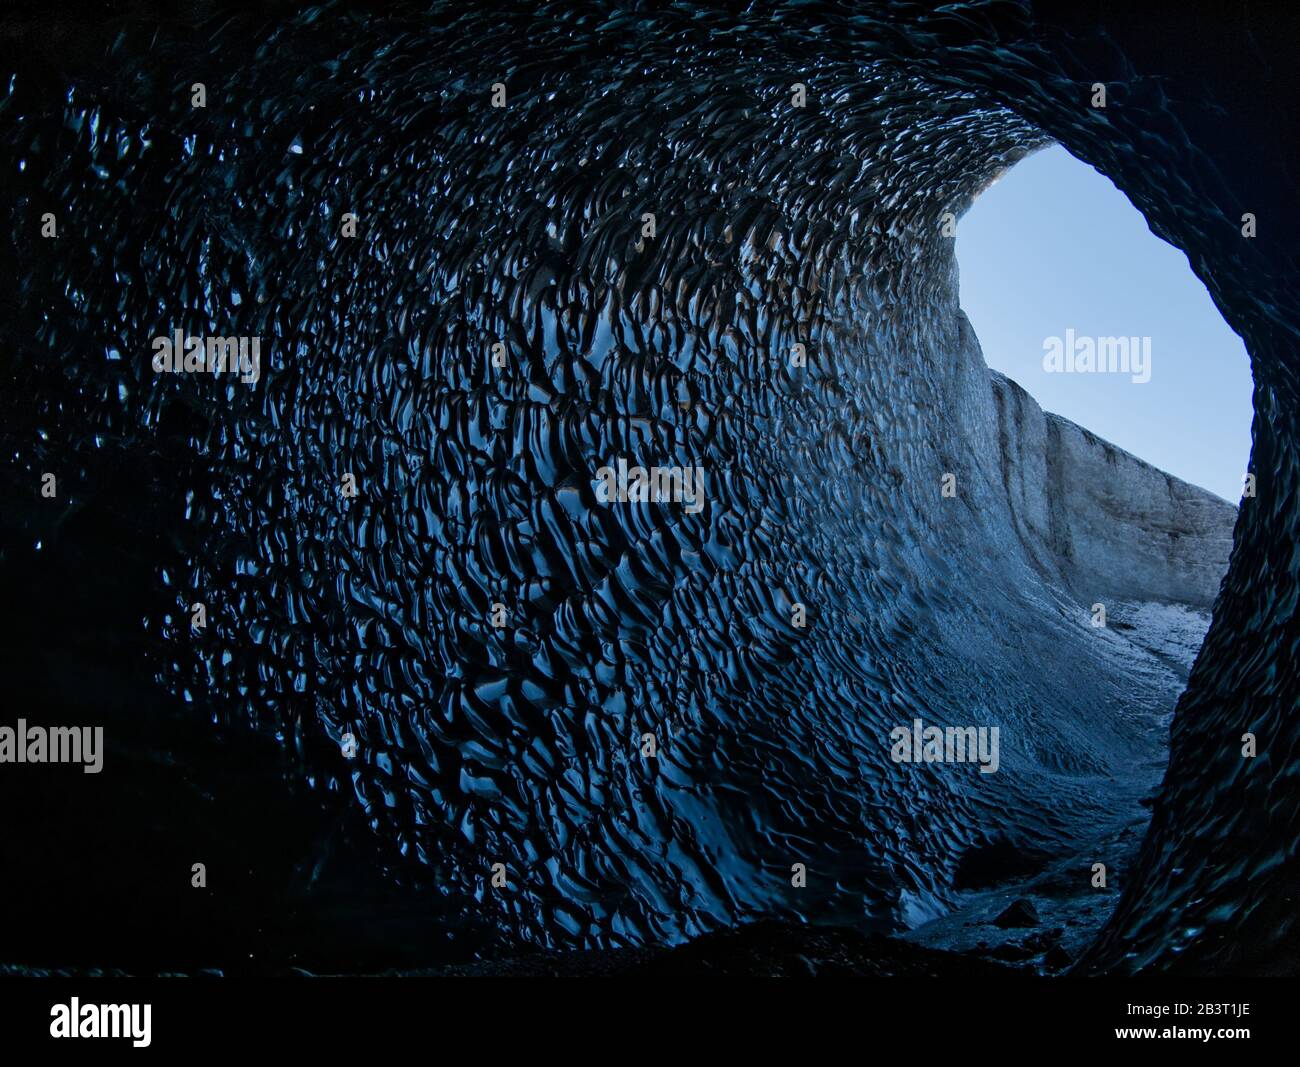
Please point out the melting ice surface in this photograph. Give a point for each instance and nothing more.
(500, 642)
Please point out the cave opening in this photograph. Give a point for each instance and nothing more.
(1051, 251)
(1123, 409)
(1105, 326)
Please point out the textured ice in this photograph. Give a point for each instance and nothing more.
(776, 226)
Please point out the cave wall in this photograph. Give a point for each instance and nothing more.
(337, 617)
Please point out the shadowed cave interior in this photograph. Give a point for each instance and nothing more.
(329, 615)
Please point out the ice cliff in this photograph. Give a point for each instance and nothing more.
(1102, 521)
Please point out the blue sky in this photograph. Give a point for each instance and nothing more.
(1054, 246)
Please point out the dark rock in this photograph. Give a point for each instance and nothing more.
(1019, 913)
(1014, 952)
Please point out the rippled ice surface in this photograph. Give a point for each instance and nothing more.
(372, 615)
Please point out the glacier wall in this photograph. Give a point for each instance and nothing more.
(1102, 520)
